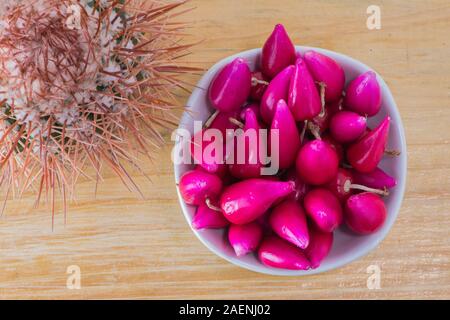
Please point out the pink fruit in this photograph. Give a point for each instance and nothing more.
(324, 209)
(278, 52)
(201, 142)
(245, 238)
(277, 89)
(320, 244)
(277, 253)
(365, 212)
(343, 185)
(301, 188)
(375, 179)
(196, 186)
(206, 162)
(245, 201)
(363, 95)
(258, 86)
(304, 99)
(317, 162)
(254, 107)
(231, 87)
(347, 126)
(284, 122)
(326, 70)
(339, 148)
(339, 184)
(365, 154)
(288, 220)
(208, 218)
(222, 123)
(248, 150)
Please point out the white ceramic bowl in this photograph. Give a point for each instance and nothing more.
(347, 246)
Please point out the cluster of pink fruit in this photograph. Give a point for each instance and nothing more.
(328, 157)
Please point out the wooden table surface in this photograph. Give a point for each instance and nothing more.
(131, 248)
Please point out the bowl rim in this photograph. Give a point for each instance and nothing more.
(401, 181)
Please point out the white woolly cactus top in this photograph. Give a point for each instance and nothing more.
(84, 83)
(63, 58)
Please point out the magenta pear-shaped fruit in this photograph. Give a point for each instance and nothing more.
(245, 238)
(365, 154)
(377, 179)
(258, 87)
(277, 253)
(231, 87)
(278, 89)
(317, 162)
(320, 244)
(324, 208)
(365, 212)
(327, 71)
(288, 220)
(196, 186)
(246, 200)
(278, 52)
(208, 218)
(347, 126)
(288, 136)
(339, 184)
(301, 188)
(363, 95)
(304, 99)
(249, 150)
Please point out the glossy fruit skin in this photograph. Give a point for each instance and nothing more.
(320, 245)
(246, 200)
(251, 167)
(257, 90)
(199, 143)
(365, 154)
(277, 253)
(365, 213)
(377, 179)
(206, 218)
(326, 70)
(339, 148)
(324, 208)
(304, 99)
(196, 186)
(363, 95)
(301, 188)
(347, 126)
(278, 89)
(337, 184)
(288, 136)
(245, 238)
(277, 53)
(231, 87)
(317, 162)
(288, 220)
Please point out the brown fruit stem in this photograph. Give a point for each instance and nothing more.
(236, 122)
(256, 81)
(211, 119)
(302, 135)
(322, 86)
(211, 206)
(314, 130)
(348, 186)
(392, 153)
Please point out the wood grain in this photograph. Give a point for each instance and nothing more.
(131, 248)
